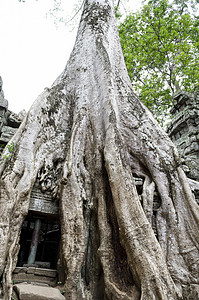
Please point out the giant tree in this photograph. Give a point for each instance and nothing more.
(87, 137)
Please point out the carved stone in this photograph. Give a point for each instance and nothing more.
(42, 201)
(32, 274)
(7, 133)
(184, 131)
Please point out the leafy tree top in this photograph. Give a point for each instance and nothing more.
(161, 49)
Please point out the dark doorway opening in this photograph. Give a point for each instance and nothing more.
(45, 242)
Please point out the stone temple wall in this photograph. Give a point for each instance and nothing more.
(9, 121)
(184, 131)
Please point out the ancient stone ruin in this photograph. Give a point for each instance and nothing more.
(9, 121)
(184, 132)
(38, 260)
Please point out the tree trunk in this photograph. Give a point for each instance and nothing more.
(93, 136)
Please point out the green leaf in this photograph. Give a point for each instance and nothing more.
(161, 50)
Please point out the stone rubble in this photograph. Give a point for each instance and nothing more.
(35, 292)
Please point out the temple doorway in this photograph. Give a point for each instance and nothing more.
(39, 242)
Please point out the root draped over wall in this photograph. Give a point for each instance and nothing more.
(93, 131)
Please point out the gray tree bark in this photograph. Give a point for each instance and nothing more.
(92, 135)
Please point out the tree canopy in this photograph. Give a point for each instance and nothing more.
(161, 49)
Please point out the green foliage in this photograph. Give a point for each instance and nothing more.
(10, 149)
(161, 50)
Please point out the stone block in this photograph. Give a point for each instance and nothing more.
(32, 274)
(42, 264)
(23, 277)
(7, 133)
(43, 279)
(42, 202)
(32, 292)
(20, 270)
(46, 272)
(39, 283)
(31, 270)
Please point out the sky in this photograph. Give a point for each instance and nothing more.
(33, 49)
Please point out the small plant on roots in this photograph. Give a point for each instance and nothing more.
(10, 148)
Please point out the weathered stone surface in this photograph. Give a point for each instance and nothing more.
(3, 101)
(7, 133)
(23, 277)
(43, 264)
(32, 274)
(43, 201)
(184, 131)
(39, 283)
(20, 270)
(38, 264)
(46, 272)
(14, 120)
(9, 121)
(31, 270)
(32, 292)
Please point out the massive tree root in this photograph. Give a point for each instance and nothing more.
(86, 139)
